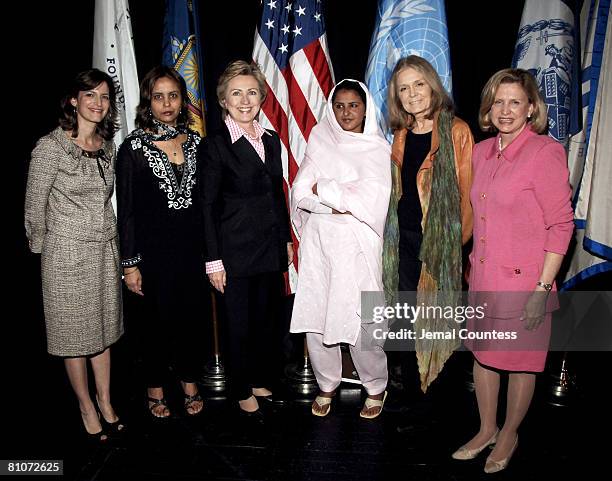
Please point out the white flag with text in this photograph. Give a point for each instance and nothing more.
(113, 53)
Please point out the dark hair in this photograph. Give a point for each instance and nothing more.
(144, 118)
(350, 85)
(84, 81)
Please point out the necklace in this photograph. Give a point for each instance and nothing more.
(499, 151)
(174, 147)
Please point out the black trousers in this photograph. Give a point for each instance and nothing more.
(252, 345)
(409, 262)
(409, 273)
(401, 359)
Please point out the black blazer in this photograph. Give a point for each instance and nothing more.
(246, 222)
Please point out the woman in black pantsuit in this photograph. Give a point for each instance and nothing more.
(246, 225)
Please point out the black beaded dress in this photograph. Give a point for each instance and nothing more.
(161, 232)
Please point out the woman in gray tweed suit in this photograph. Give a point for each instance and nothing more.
(69, 220)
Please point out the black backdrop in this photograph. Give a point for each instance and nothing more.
(55, 39)
(52, 41)
(47, 43)
(60, 34)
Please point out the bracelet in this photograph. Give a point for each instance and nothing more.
(543, 285)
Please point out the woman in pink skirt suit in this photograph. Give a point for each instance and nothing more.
(523, 223)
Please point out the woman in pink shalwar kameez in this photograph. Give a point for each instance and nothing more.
(523, 223)
(339, 203)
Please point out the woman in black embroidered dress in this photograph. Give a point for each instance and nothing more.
(161, 240)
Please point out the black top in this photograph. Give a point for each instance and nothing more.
(178, 169)
(246, 222)
(161, 232)
(157, 205)
(409, 214)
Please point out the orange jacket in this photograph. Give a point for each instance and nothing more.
(463, 141)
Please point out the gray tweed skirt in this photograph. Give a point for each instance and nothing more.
(81, 284)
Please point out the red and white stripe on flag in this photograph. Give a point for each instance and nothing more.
(291, 50)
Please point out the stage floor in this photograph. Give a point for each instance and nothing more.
(414, 443)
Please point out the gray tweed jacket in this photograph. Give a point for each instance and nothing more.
(66, 194)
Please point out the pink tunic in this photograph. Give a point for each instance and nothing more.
(522, 209)
(340, 255)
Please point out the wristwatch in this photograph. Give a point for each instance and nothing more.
(548, 287)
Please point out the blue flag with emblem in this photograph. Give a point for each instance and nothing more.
(406, 27)
(589, 152)
(548, 46)
(182, 51)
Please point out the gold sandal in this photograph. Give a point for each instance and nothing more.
(373, 403)
(322, 402)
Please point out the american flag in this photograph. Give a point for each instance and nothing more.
(291, 49)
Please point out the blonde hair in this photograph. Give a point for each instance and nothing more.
(234, 69)
(539, 115)
(440, 100)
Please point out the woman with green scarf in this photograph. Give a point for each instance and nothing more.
(430, 215)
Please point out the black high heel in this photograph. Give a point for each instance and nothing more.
(95, 438)
(99, 437)
(116, 427)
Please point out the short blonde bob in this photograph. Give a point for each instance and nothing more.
(234, 69)
(539, 116)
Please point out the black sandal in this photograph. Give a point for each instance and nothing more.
(155, 403)
(189, 400)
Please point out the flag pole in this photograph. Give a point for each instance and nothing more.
(563, 385)
(301, 375)
(291, 42)
(214, 373)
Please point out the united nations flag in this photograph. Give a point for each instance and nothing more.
(182, 52)
(406, 27)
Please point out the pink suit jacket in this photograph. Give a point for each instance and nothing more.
(521, 202)
(522, 209)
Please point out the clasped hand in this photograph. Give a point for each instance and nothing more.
(535, 310)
